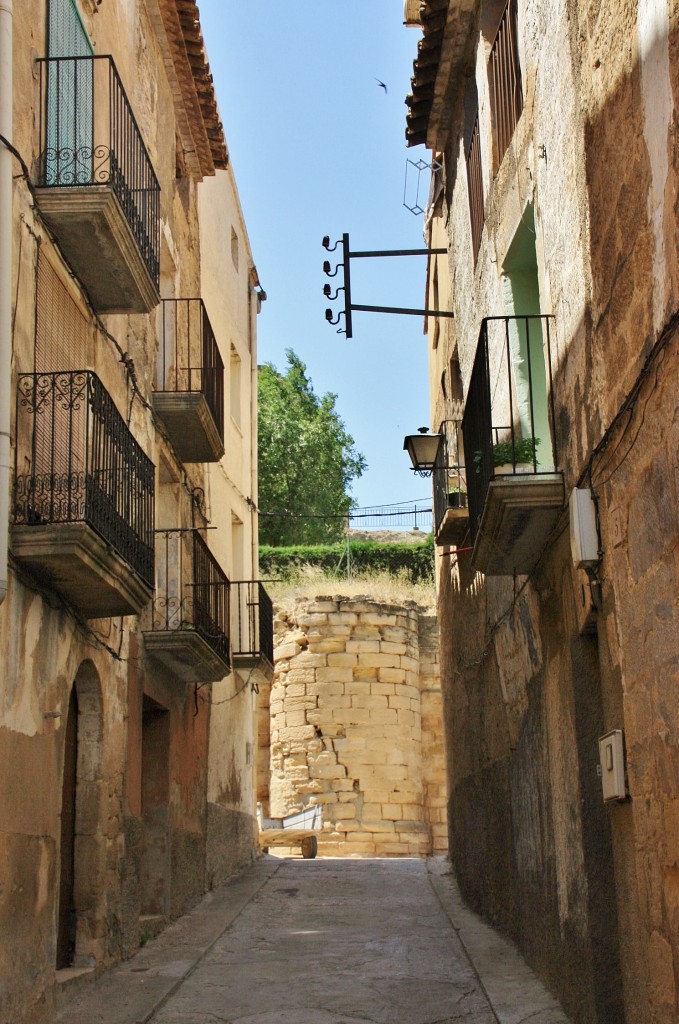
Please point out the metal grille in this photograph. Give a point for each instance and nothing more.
(449, 475)
(504, 74)
(507, 404)
(254, 621)
(83, 463)
(89, 136)
(211, 599)
(190, 357)
(475, 187)
(192, 591)
(62, 332)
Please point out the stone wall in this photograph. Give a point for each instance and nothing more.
(588, 891)
(356, 725)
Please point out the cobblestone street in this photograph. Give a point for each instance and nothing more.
(324, 942)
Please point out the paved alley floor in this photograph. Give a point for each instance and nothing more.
(324, 941)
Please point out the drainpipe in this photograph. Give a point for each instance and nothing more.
(6, 13)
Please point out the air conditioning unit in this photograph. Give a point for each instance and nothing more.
(584, 533)
(411, 13)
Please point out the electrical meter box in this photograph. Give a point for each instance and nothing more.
(612, 758)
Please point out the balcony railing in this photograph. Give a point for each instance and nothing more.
(475, 187)
(191, 608)
(83, 499)
(504, 75)
(190, 384)
(89, 137)
(509, 427)
(253, 617)
(451, 516)
(83, 465)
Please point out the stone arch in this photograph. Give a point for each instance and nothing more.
(81, 896)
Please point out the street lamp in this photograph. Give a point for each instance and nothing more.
(423, 449)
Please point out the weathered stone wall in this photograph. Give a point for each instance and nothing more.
(588, 891)
(356, 725)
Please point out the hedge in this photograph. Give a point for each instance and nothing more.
(414, 561)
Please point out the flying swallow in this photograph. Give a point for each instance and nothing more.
(381, 85)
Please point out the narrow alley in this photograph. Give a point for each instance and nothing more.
(292, 941)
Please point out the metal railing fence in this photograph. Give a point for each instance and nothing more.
(190, 360)
(253, 617)
(76, 461)
(89, 136)
(192, 591)
(509, 422)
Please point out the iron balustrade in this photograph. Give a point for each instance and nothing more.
(192, 591)
(89, 136)
(504, 75)
(448, 476)
(475, 187)
(83, 464)
(508, 424)
(253, 636)
(190, 361)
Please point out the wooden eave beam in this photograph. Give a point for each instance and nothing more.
(442, 56)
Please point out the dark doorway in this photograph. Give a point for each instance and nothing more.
(66, 924)
(155, 760)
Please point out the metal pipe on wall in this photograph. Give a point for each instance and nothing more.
(6, 100)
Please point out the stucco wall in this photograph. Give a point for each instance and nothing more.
(207, 811)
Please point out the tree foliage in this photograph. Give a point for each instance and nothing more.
(307, 460)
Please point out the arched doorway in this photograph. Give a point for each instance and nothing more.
(80, 894)
(66, 927)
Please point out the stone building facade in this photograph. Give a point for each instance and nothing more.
(130, 620)
(355, 726)
(554, 196)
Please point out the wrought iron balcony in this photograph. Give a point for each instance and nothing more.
(515, 490)
(96, 185)
(253, 630)
(191, 608)
(189, 395)
(451, 514)
(504, 76)
(83, 502)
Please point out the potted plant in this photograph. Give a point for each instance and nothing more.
(511, 457)
(457, 490)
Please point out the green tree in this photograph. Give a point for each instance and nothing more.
(307, 460)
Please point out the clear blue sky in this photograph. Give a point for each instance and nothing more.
(318, 148)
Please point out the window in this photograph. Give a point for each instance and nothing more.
(234, 248)
(522, 299)
(69, 97)
(504, 79)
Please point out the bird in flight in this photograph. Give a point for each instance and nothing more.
(381, 85)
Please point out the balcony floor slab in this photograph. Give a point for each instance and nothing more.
(518, 516)
(74, 560)
(190, 425)
(186, 655)
(260, 667)
(453, 527)
(94, 235)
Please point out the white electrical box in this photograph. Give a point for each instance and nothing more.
(584, 535)
(612, 758)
